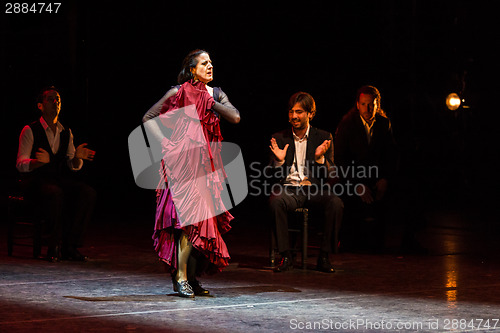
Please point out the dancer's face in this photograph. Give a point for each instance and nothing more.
(204, 71)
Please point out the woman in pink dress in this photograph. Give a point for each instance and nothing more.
(190, 215)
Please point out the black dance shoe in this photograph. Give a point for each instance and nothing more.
(285, 264)
(198, 289)
(195, 286)
(184, 289)
(324, 264)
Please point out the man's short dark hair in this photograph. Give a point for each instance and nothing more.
(305, 99)
(41, 94)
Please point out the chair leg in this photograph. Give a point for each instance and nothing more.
(338, 223)
(10, 228)
(336, 239)
(10, 241)
(305, 238)
(37, 240)
(272, 250)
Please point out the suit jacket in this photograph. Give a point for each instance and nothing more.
(353, 150)
(317, 172)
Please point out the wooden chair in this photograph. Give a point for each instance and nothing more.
(302, 228)
(24, 227)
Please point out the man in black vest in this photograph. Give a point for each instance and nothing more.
(45, 157)
(301, 157)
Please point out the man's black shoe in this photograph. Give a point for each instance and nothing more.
(53, 254)
(285, 264)
(72, 254)
(198, 289)
(324, 264)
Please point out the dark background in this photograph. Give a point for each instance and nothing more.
(113, 61)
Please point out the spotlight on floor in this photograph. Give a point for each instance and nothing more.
(453, 101)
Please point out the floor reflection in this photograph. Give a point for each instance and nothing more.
(451, 283)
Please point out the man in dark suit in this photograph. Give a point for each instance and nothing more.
(365, 153)
(301, 156)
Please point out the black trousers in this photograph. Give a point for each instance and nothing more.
(289, 198)
(66, 205)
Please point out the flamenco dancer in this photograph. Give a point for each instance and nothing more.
(190, 215)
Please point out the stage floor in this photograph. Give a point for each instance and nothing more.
(122, 288)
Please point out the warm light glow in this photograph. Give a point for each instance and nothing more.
(451, 287)
(453, 101)
(451, 282)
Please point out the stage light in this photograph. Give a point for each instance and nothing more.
(453, 101)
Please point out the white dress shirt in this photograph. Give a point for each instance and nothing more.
(26, 145)
(298, 177)
(368, 128)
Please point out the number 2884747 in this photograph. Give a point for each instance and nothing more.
(32, 8)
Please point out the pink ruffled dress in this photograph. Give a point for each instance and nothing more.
(193, 175)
